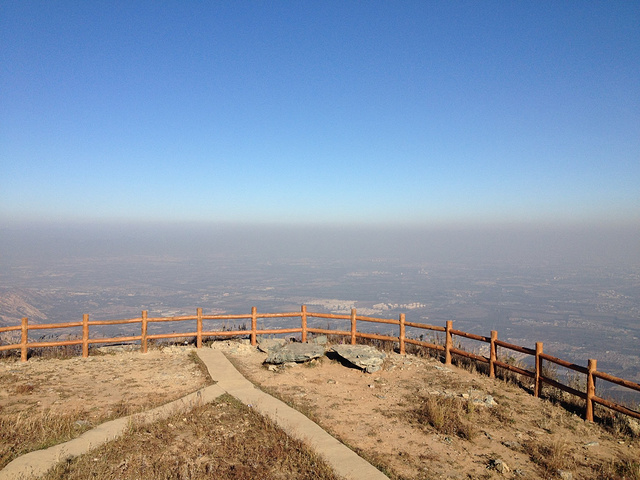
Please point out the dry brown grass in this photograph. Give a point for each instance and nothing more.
(552, 455)
(447, 415)
(31, 430)
(28, 431)
(224, 439)
(621, 469)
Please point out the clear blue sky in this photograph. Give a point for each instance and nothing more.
(343, 112)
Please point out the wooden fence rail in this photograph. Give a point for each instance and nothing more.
(591, 372)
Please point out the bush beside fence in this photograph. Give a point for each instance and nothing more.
(591, 372)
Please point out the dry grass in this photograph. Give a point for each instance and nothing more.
(552, 455)
(622, 469)
(447, 415)
(221, 440)
(30, 430)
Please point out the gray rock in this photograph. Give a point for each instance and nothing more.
(294, 352)
(634, 426)
(362, 356)
(319, 340)
(267, 345)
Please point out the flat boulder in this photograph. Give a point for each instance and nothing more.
(268, 345)
(294, 352)
(362, 356)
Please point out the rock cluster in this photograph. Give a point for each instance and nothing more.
(280, 352)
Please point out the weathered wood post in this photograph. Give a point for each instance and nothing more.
(448, 342)
(254, 325)
(143, 333)
(402, 332)
(537, 389)
(85, 335)
(24, 340)
(591, 388)
(303, 322)
(493, 354)
(199, 328)
(353, 326)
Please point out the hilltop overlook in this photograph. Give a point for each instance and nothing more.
(382, 415)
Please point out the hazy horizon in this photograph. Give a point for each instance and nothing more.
(527, 243)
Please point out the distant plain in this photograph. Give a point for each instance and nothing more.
(577, 290)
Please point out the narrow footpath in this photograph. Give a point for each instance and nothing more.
(343, 460)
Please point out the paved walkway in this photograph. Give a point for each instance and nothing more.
(343, 460)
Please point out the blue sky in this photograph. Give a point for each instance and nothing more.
(320, 112)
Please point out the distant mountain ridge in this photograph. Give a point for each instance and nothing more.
(14, 305)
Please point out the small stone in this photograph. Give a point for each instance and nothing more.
(565, 475)
(512, 445)
(591, 444)
(331, 381)
(499, 465)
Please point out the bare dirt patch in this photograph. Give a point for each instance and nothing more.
(391, 418)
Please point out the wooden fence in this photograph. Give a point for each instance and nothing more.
(402, 339)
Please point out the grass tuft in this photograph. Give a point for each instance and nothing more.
(447, 415)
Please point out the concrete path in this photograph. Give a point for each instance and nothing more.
(343, 460)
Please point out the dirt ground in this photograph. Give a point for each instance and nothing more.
(110, 378)
(518, 436)
(513, 434)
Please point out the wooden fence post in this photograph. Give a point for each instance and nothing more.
(537, 389)
(402, 332)
(493, 354)
(143, 333)
(448, 342)
(85, 335)
(24, 340)
(254, 325)
(353, 326)
(303, 325)
(199, 329)
(591, 388)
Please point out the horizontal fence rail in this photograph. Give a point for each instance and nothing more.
(448, 348)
